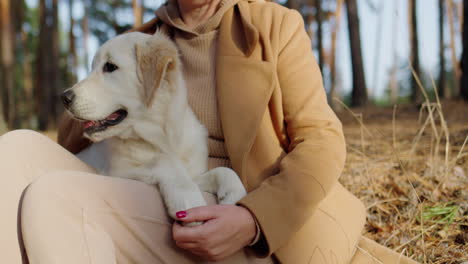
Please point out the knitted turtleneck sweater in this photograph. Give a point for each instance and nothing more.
(197, 48)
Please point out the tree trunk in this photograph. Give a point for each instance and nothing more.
(333, 90)
(85, 29)
(72, 56)
(378, 41)
(394, 89)
(455, 68)
(3, 126)
(17, 15)
(464, 62)
(54, 74)
(416, 94)
(7, 53)
(18, 18)
(359, 93)
(138, 12)
(442, 86)
(293, 4)
(461, 19)
(29, 105)
(319, 13)
(47, 66)
(308, 20)
(42, 70)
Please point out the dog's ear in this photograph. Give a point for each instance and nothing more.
(154, 61)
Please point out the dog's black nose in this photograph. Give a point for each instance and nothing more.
(67, 98)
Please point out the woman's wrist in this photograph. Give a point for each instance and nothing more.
(255, 235)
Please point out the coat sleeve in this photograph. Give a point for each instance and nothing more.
(316, 154)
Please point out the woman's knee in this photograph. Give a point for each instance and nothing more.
(57, 183)
(25, 154)
(20, 134)
(22, 137)
(31, 151)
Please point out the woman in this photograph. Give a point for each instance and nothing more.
(253, 82)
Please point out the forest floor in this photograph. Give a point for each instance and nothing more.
(415, 191)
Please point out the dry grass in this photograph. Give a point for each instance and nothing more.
(410, 171)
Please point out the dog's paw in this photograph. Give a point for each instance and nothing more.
(230, 188)
(230, 195)
(182, 201)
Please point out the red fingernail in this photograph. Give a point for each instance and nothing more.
(181, 214)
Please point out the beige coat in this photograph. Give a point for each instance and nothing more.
(282, 137)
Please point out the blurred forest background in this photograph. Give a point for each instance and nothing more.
(407, 163)
(44, 51)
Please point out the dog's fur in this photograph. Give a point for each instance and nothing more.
(160, 141)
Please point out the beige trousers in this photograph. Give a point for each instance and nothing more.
(62, 212)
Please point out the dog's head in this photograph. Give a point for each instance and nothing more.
(126, 73)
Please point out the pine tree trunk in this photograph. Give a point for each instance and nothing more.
(21, 53)
(41, 86)
(455, 67)
(29, 102)
(85, 29)
(318, 6)
(460, 17)
(416, 94)
(442, 87)
(47, 66)
(72, 56)
(394, 89)
(464, 62)
(378, 42)
(138, 12)
(359, 93)
(55, 65)
(23, 93)
(293, 4)
(333, 90)
(309, 19)
(7, 53)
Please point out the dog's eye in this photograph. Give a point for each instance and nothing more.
(109, 67)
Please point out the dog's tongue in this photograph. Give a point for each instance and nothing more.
(90, 124)
(113, 116)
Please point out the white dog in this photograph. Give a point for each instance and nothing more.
(134, 104)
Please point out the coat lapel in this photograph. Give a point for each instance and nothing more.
(244, 84)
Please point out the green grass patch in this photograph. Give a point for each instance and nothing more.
(444, 214)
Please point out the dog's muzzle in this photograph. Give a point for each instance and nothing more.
(93, 126)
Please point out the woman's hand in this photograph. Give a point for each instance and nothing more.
(227, 229)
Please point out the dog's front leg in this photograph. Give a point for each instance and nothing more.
(223, 182)
(178, 190)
